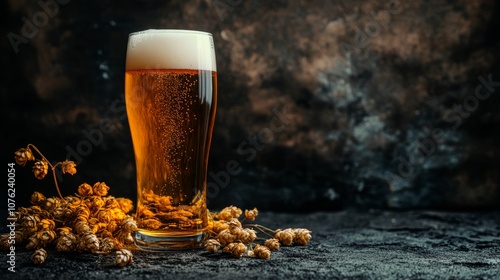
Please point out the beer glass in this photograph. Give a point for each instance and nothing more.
(171, 95)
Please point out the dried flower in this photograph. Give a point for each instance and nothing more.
(228, 213)
(69, 167)
(90, 242)
(235, 249)
(100, 189)
(219, 226)
(261, 252)
(46, 236)
(226, 237)
(51, 203)
(37, 198)
(272, 243)
(46, 224)
(23, 155)
(40, 169)
(107, 245)
(29, 223)
(302, 236)
(66, 242)
(33, 242)
(212, 245)
(96, 202)
(125, 204)
(123, 257)
(85, 190)
(285, 236)
(251, 214)
(247, 235)
(39, 256)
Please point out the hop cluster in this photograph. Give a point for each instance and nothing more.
(290, 236)
(90, 221)
(227, 233)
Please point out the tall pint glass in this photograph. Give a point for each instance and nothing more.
(171, 95)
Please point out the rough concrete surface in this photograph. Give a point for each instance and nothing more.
(345, 245)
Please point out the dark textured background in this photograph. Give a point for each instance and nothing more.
(371, 93)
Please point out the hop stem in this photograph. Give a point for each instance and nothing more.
(52, 167)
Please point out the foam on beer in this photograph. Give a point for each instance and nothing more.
(170, 49)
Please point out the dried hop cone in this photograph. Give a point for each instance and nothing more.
(272, 243)
(37, 198)
(40, 169)
(251, 214)
(69, 167)
(39, 256)
(212, 245)
(85, 190)
(235, 249)
(123, 257)
(285, 236)
(261, 252)
(23, 155)
(302, 236)
(100, 189)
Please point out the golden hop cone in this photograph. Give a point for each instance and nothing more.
(23, 155)
(111, 202)
(29, 223)
(37, 198)
(46, 224)
(39, 256)
(40, 169)
(100, 189)
(219, 226)
(66, 242)
(226, 237)
(128, 225)
(272, 243)
(123, 257)
(125, 204)
(302, 236)
(235, 249)
(285, 236)
(51, 203)
(247, 235)
(261, 252)
(228, 213)
(107, 245)
(69, 167)
(4, 242)
(85, 190)
(212, 246)
(40, 239)
(251, 214)
(90, 242)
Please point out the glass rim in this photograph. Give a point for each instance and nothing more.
(187, 31)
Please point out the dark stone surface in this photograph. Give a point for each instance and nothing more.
(373, 94)
(345, 245)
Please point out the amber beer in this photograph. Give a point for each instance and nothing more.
(171, 94)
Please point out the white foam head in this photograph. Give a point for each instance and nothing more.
(170, 49)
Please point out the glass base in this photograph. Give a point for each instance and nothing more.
(160, 241)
